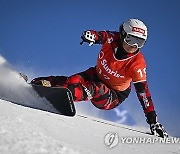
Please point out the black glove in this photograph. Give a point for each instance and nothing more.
(89, 37)
(158, 130)
(155, 127)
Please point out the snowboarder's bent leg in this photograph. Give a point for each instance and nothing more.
(86, 85)
(100, 95)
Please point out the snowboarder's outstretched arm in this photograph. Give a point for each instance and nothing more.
(98, 37)
(144, 97)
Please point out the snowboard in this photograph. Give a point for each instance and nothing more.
(60, 98)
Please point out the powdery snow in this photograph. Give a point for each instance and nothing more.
(25, 130)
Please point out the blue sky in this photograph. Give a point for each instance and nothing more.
(41, 37)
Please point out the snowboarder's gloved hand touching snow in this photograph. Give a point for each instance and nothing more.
(88, 36)
(41, 81)
(158, 130)
(156, 127)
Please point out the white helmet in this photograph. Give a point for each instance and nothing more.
(134, 27)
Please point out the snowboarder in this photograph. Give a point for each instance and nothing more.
(119, 63)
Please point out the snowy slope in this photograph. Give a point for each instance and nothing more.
(25, 130)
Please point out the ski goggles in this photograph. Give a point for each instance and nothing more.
(133, 40)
